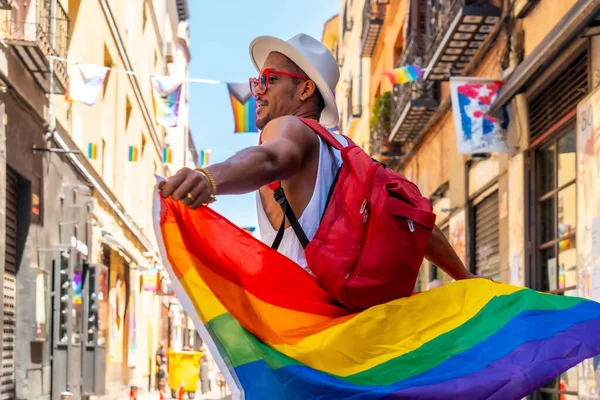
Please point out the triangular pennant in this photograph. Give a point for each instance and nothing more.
(85, 83)
(166, 92)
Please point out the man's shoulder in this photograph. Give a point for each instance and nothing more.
(288, 126)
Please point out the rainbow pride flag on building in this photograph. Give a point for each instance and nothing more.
(132, 154)
(404, 74)
(244, 107)
(204, 158)
(276, 334)
(92, 151)
(167, 155)
(166, 93)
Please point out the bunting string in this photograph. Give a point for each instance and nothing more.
(388, 73)
(86, 82)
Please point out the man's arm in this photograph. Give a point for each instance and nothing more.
(286, 145)
(441, 253)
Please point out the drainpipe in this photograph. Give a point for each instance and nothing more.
(467, 206)
(360, 87)
(51, 116)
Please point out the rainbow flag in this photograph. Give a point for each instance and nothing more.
(133, 154)
(204, 158)
(405, 74)
(85, 83)
(92, 151)
(276, 334)
(244, 107)
(166, 92)
(167, 155)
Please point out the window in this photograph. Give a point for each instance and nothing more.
(128, 109)
(144, 17)
(555, 213)
(108, 62)
(102, 156)
(143, 146)
(435, 272)
(556, 216)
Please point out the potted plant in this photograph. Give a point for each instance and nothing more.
(380, 122)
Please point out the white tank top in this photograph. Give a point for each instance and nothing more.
(330, 161)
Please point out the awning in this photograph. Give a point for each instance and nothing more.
(566, 30)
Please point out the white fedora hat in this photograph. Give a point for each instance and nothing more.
(313, 58)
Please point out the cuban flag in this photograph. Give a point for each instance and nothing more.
(477, 132)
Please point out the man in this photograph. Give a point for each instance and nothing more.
(297, 79)
(161, 364)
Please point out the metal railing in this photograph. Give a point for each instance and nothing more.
(6, 4)
(62, 25)
(373, 17)
(376, 139)
(441, 13)
(420, 89)
(34, 43)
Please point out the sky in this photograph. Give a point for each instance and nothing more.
(220, 34)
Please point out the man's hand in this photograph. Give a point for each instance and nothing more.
(188, 186)
(473, 276)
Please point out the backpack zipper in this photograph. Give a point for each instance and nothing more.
(364, 211)
(411, 224)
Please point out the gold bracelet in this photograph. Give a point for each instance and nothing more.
(211, 182)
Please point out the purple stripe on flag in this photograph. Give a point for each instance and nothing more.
(528, 361)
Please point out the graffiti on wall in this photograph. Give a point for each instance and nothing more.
(457, 235)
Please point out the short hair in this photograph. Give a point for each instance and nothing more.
(295, 69)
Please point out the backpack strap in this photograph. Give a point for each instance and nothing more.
(289, 214)
(323, 133)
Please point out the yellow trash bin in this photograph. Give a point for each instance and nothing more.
(184, 369)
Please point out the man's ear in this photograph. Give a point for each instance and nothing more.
(308, 89)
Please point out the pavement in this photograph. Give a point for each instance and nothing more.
(212, 395)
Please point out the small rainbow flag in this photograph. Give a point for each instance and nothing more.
(405, 74)
(92, 151)
(166, 92)
(133, 153)
(204, 158)
(244, 107)
(167, 155)
(276, 333)
(250, 229)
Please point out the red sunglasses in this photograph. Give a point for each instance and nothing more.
(260, 85)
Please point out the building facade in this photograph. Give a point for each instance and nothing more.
(80, 253)
(526, 217)
(359, 24)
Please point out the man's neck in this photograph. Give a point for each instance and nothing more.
(308, 115)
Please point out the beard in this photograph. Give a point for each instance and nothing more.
(261, 122)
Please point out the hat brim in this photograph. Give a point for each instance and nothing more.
(262, 46)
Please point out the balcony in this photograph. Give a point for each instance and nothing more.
(413, 103)
(379, 123)
(373, 16)
(33, 45)
(182, 10)
(6, 4)
(457, 30)
(384, 151)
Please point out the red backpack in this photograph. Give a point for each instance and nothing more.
(372, 238)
